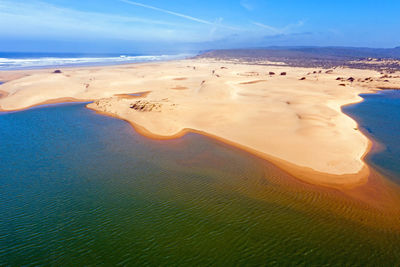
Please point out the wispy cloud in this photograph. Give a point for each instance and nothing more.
(42, 20)
(36, 19)
(247, 5)
(11, 8)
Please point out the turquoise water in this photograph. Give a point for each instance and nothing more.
(77, 188)
(379, 116)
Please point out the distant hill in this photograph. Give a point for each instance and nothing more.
(308, 56)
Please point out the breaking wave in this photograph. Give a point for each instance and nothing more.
(44, 62)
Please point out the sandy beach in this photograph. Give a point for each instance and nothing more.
(290, 116)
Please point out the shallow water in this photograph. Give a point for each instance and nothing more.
(379, 116)
(77, 188)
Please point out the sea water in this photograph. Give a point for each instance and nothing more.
(13, 61)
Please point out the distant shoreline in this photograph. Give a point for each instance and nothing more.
(379, 59)
(32, 61)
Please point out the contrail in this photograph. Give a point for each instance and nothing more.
(280, 30)
(178, 14)
(273, 29)
(168, 12)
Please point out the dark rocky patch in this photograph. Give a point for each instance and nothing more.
(145, 106)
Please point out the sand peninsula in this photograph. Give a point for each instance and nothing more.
(288, 115)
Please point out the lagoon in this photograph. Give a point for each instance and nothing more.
(78, 188)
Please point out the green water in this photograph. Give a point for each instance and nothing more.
(80, 189)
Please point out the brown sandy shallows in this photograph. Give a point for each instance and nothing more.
(253, 82)
(297, 125)
(133, 95)
(179, 88)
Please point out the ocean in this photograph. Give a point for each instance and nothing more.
(14, 61)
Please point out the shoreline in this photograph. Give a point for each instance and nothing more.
(299, 172)
(302, 172)
(57, 101)
(163, 58)
(30, 71)
(376, 191)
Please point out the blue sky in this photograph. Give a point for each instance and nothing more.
(185, 25)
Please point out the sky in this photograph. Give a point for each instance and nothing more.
(149, 26)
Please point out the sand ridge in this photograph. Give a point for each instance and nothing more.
(293, 120)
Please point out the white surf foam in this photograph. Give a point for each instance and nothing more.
(27, 63)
